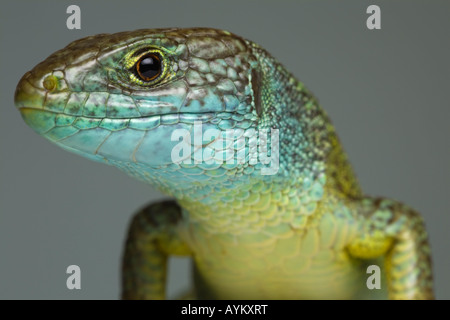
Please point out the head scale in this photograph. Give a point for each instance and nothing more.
(138, 99)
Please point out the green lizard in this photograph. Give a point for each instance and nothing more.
(266, 202)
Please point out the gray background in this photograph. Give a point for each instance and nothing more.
(387, 92)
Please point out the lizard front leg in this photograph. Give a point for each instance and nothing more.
(152, 237)
(397, 232)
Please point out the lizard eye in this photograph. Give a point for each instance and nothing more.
(146, 67)
(149, 67)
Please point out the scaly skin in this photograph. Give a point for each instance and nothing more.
(304, 231)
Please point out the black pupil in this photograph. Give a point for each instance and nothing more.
(149, 67)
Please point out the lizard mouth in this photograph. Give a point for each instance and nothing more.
(47, 112)
(148, 140)
(117, 132)
(44, 121)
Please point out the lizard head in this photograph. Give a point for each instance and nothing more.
(145, 100)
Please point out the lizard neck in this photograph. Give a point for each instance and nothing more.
(255, 204)
(312, 166)
(309, 145)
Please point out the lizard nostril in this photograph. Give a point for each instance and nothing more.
(50, 83)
